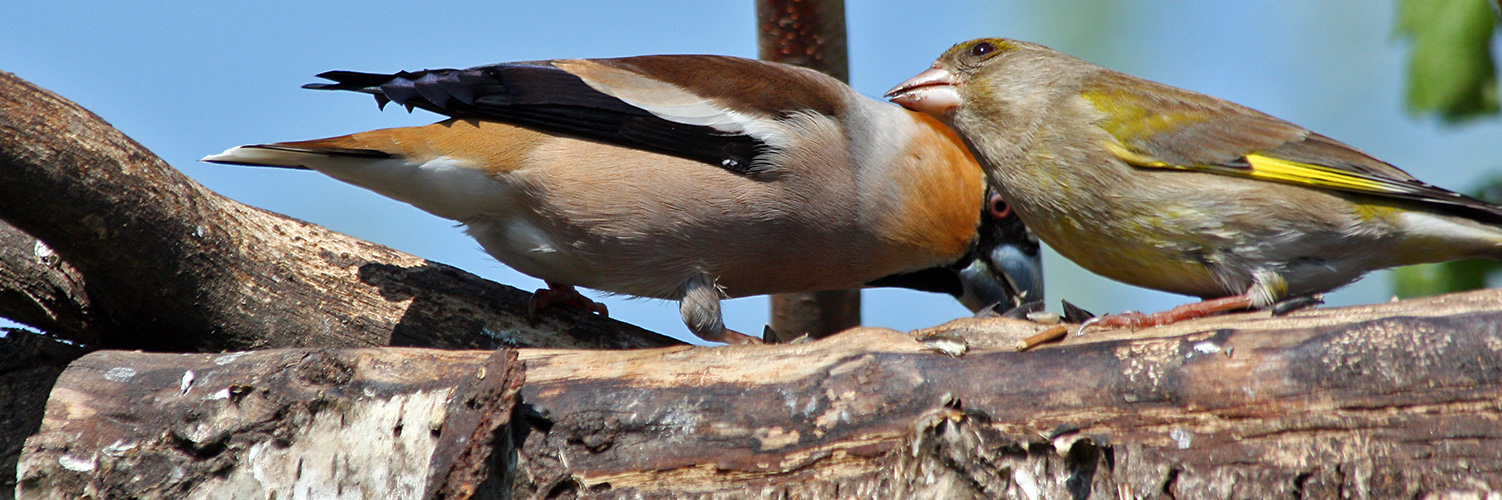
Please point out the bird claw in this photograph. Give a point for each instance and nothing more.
(1125, 319)
(566, 295)
(1293, 304)
(733, 337)
(1086, 325)
(1135, 320)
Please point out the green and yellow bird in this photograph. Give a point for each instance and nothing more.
(1178, 191)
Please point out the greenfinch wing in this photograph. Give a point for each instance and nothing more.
(1158, 126)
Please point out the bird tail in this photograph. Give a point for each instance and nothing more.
(452, 92)
(371, 83)
(442, 185)
(1437, 237)
(288, 156)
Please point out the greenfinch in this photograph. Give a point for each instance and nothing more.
(1173, 190)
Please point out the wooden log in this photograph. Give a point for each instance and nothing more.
(1399, 400)
(358, 423)
(157, 261)
(27, 371)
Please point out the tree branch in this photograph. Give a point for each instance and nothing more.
(39, 289)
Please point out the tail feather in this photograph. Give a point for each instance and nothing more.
(284, 156)
(355, 80)
(1438, 237)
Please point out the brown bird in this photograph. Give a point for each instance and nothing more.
(688, 178)
(1177, 191)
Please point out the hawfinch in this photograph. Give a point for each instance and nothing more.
(1173, 190)
(687, 178)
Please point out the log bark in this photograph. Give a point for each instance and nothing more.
(324, 424)
(140, 256)
(1396, 400)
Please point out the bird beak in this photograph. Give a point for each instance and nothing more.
(1006, 276)
(934, 92)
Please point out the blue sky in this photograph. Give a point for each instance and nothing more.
(188, 79)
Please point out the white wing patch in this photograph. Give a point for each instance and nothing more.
(679, 105)
(662, 99)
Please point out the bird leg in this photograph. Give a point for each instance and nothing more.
(700, 307)
(560, 294)
(1134, 320)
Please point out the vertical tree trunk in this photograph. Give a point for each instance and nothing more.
(808, 33)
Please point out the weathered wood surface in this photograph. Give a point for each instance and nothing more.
(143, 257)
(1400, 400)
(39, 289)
(324, 424)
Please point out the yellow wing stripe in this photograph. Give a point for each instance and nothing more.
(1267, 168)
(1280, 170)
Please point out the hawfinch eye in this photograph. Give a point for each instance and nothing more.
(998, 207)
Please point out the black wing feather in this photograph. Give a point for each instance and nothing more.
(541, 96)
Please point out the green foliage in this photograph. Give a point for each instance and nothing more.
(1446, 277)
(1450, 71)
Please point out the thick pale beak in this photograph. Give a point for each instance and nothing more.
(1008, 276)
(933, 91)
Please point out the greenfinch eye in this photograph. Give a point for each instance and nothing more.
(981, 49)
